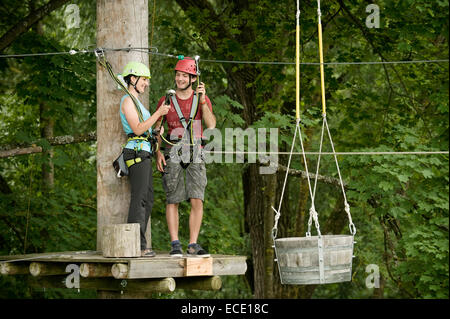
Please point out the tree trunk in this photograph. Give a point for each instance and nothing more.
(120, 23)
(259, 196)
(48, 169)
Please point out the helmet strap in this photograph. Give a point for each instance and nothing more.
(189, 85)
(135, 83)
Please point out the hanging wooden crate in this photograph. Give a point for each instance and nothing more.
(314, 260)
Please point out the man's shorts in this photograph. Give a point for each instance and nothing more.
(180, 183)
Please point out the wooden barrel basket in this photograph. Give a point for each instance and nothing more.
(314, 260)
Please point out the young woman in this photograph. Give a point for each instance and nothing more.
(138, 150)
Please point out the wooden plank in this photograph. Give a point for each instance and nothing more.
(70, 256)
(175, 267)
(160, 266)
(229, 265)
(156, 268)
(198, 266)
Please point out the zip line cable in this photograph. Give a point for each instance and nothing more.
(148, 50)
(368, 153)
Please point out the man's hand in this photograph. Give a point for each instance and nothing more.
(160, 161)
(201, 90)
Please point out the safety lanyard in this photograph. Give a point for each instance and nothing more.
(193, 113)
(99, 53)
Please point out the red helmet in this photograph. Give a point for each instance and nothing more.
(186, 65)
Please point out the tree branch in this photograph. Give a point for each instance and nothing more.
(302, 174)
(23, 25)
(57, 140)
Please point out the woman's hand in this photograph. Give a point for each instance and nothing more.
(164, 109)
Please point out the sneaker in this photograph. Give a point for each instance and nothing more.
(176, 250)
(195, 250)
(148, 253)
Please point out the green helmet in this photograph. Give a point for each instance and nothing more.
(137, 69)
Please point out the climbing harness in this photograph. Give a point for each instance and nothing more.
(313, 259)
(190, 66)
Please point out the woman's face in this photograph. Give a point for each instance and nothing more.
(142, 83)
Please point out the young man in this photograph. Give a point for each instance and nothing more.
(182, 123)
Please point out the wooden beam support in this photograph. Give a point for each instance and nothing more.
(199, 283)
(120, 271)
(7, 268)
(47, 269)
(163, 285)
(95, 270)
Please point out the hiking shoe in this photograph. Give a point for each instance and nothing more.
(176, 250)
(195, 250)
(148, 253)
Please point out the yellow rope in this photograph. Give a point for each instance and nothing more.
(322, 76)
(297, 67)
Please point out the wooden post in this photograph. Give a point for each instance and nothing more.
(120, 24)
(121, 240)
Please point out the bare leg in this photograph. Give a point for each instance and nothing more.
(195, 219)
(172, 220)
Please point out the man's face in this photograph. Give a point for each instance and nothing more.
(182, 80)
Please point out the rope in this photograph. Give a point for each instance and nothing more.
(322, 72)
(312, 211)
(297, 128)
(368, 153)
(277, 212)
(297, 62)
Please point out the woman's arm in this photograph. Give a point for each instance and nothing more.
(139, 128)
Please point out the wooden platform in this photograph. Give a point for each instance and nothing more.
(160, 266)
(89, 269)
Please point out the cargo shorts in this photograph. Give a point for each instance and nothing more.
(183, 183)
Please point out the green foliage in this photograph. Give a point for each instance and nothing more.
(399, 203)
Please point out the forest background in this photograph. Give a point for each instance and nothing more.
(399, 203)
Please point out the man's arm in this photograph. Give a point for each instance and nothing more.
(208, 116)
